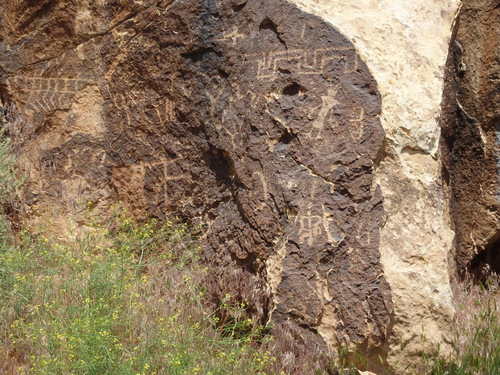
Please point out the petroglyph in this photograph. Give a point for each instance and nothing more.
(213, 103)
(265, 189)
(227, 112)
(166, 111)
(166, 165)
(329, 102)
(313, 225)
(232, 35)
(46, 94)
(307, 62)
(358, 124)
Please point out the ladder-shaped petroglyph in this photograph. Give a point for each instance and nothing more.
(45, 94)
(166, 111)
(306, 61)
(358, 123)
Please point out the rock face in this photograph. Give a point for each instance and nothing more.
(405, 47)
(302, 134)
(471, 126)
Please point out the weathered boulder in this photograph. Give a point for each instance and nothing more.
(471, 126)
(303, 134)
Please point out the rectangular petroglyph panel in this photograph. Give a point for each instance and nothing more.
(171, 172)
(358, 123)
(308, 62)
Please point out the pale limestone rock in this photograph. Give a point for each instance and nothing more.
(405, 45)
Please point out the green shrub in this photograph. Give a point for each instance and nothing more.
(125, 299)
(8, 178)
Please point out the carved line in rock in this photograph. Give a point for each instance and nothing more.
(313, 225)
(329, 102)
(307, 62)
(47, 94)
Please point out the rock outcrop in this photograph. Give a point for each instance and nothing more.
(405, 47)
(471, 126)
(302, 134)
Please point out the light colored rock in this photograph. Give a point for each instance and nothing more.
(405, 45)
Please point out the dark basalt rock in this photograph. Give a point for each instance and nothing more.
(470, 136)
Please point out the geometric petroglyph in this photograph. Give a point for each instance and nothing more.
(232, 35)
(47, 94)
(311, 226)
(307, 62)
(359, 123)
(167, 176)
(166, 111)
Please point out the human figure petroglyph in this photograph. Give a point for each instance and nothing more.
(328, 102)
(307, 62)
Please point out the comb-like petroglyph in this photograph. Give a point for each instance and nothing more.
(45, 94)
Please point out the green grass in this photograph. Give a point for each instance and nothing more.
(127, 299)
(477, 340)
